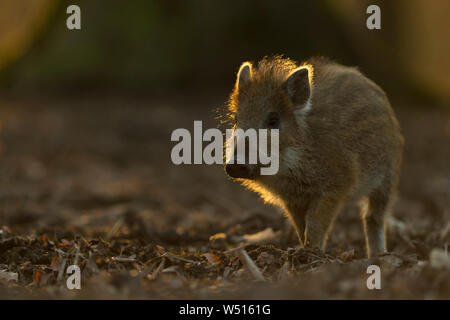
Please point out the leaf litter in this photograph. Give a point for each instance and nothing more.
(140, 228)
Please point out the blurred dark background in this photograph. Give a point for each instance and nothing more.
(174, 45)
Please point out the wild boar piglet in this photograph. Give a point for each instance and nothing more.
(339, 143)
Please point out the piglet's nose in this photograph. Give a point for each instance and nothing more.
(238, 171)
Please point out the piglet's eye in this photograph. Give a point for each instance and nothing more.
(273, 120)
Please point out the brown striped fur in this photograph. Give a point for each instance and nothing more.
(346, 149)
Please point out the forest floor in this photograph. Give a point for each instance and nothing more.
(89, 181)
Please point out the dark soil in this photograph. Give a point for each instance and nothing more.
(89, 181)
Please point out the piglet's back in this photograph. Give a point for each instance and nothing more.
(350, 107)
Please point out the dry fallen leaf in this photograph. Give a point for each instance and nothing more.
(55, 264)
(218, 236)
(65, 243)
(37, 276)
(160, 249)
(43, 237)
(211, 257)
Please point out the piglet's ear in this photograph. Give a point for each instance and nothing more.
(298, 87)
(244, 74)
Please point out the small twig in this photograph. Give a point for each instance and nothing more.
(61, 270)
(158, 269)
(61, 253)
(153, 259)
(120, 259)
(251, 266)
(117, 225)
(237, 248)
(77, 254)
(169, 255)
